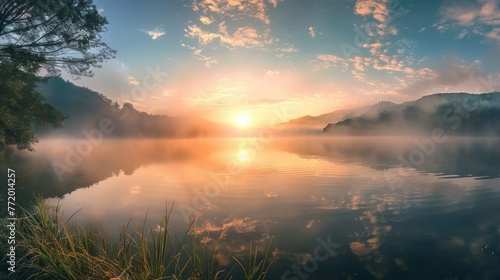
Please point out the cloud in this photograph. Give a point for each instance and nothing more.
(273, 73)
(394, 57)
(206, 20)
(383, 12)
(470, 13)
(282, 51)
(208, 61)
(287, 49)
(246, 37)
(480, 17)
(462, 34)
(235, 9)
(312, 32)
(359, 63)
(329, 60)
(187, 46)
(204, 37)
(240, 15)
(374, 47)
(382, 62)
(494, 34)
(155, 33)
(132, 81)
(100, 10)
(275, 2)
(455, 75)
(378, 25)
(377, 9)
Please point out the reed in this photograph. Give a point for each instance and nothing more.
(51, 247)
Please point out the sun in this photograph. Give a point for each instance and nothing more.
(242, 120)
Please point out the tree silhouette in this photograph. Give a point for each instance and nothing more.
(20, 106)
(43, 36)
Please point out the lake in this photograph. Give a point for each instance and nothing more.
(337, 208)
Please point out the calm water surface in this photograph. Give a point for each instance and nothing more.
(383, 208)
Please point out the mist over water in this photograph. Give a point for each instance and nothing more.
(397, 207)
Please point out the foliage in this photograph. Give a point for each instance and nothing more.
(455, 113)
(43, 37)
(53, 35)
(20, 106)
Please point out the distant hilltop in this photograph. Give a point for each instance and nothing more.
(455, 113)
(86, 110)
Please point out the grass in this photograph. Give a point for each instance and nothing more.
(50, 247)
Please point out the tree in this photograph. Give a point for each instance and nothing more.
(43, 37)
(54, 34)
(21, 106)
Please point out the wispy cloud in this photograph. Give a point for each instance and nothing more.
(236, 8)
(312, 33)
(275, 2)
(208, 61)
(155, 33)
(132, 81)
(273, 73)
(245, 32)
(494, 34)
(479, 17)
(285, 50)
(455, 74)
(382, 13)
(246, 37)
(330, 60)
(374, 47)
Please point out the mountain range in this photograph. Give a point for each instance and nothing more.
(85, 109)
(317, 123)
(455, 113)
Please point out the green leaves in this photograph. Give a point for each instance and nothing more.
(53, 35)
(61, 34)
(21, 106)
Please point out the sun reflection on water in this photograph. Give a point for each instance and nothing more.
(243, 155)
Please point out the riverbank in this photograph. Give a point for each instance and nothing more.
(50, 247)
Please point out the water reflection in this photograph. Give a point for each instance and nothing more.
(427, 226)
(243, 155)
(457, 157)
(113, 157)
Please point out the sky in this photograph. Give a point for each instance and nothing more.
(219, 58)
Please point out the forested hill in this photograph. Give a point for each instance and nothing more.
(455, 113)
(335, 116)
(85, 109)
